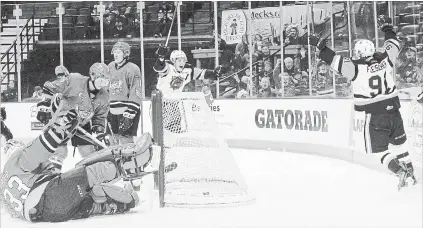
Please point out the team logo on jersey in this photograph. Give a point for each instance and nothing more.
(176, 82)
(116, 87)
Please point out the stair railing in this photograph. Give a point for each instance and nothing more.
(10, 59)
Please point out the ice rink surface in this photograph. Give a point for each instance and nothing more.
(291, 190)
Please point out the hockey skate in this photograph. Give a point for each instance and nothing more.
(406, 176)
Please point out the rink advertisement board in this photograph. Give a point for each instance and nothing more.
(285, 120)
(303, 121)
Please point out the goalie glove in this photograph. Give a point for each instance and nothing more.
(44, 111)
(127, 120)
(316, 41)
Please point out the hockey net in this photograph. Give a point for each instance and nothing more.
(206, 174)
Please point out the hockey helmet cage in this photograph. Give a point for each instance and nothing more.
(124, 47)
(99, 70)
(61, 71)
(364, 48)
(177, 54)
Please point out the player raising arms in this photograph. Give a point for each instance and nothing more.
(32, 189)
(175, 74)
(375, 94)
(87, 95)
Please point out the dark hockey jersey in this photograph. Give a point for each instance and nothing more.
(125, 87)
(73, 93)
(23, 178)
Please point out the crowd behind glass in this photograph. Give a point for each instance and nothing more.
(265, 79)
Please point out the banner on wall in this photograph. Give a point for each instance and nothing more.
(266, 21)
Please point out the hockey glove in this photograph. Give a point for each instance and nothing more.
(384, 23)
(420, 98)
(65, 126)
(44, 111)
(100, 133)
(162, 51)
(127, 120)
(316, 41)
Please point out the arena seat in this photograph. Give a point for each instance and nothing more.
(71, 11)
(412, 9)
(410, 29)
(84, 11)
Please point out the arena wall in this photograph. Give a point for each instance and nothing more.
(322, 127)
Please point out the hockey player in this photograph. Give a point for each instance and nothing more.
(32, 189)
(375, 94)
(125, 95)
(88, 95)
(176, 74)
(4, 129)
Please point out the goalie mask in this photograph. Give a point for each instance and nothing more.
(100, 75)
(364, 49)
(11, 147)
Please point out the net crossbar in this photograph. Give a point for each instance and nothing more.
(206, 174)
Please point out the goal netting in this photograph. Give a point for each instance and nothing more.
(206, 174)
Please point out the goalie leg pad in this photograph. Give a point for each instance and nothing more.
(102, 192)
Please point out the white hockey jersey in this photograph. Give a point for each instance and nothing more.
(171, 81)
(373, 80)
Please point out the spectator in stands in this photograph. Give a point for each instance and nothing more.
(323, 80)
(257, 43)
(265, 89)
(241, 53)
(291, 34)
(289, 66)
(407, 65)
(164, 19)
(242, 90)
(288, 85)
(38, 92)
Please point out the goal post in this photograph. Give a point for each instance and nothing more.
(206, 174)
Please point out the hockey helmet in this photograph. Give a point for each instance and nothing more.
(363, 49)
(177, 54)
(61, 71)
(99, 70)
(124, 47)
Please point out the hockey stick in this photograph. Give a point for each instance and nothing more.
(171, 24)
(85, 135)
